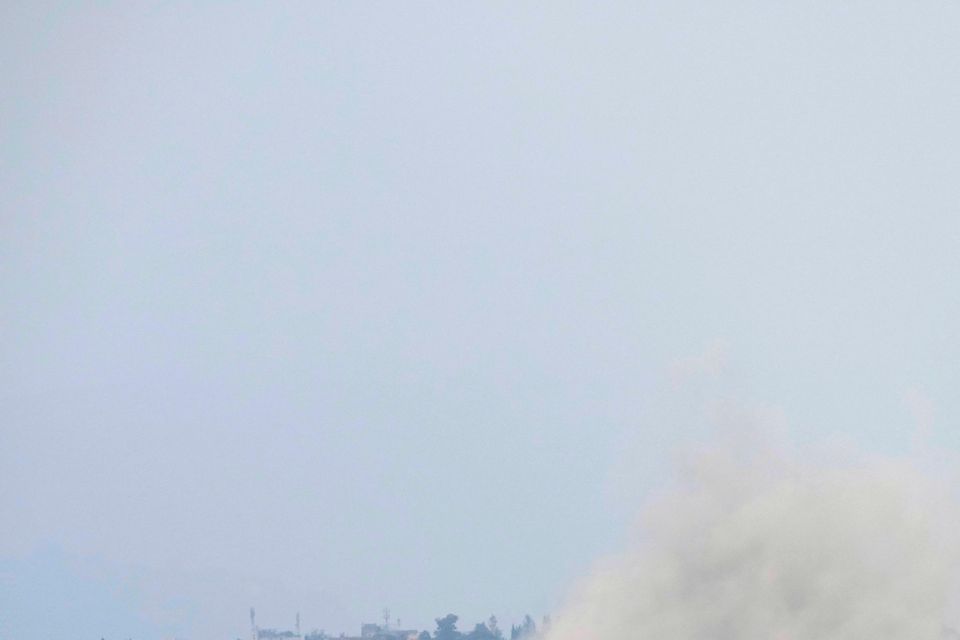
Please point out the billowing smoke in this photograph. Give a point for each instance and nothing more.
(758, 546)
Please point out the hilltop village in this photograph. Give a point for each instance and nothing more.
(446, 630)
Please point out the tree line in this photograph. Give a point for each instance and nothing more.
(489, 630)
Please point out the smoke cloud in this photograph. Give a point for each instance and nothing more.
(752, 545)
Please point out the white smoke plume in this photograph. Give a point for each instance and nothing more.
(755, 546)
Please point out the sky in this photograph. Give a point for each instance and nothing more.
(331, 307)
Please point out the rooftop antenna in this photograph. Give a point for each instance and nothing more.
(386, 619)
(298, 624)
(253, 623)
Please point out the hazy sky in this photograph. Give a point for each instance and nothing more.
(335, 306)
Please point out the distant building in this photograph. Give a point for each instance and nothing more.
(256, 633)
(371, 631)
(274, 634)
(368, 631)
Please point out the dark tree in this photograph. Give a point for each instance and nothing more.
(481, 632)
(529, 626)
(447, 628)
(527, 629)
(494, 628)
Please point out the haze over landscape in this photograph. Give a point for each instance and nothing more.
(640, 315)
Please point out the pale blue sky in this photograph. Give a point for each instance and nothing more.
(335, 306)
